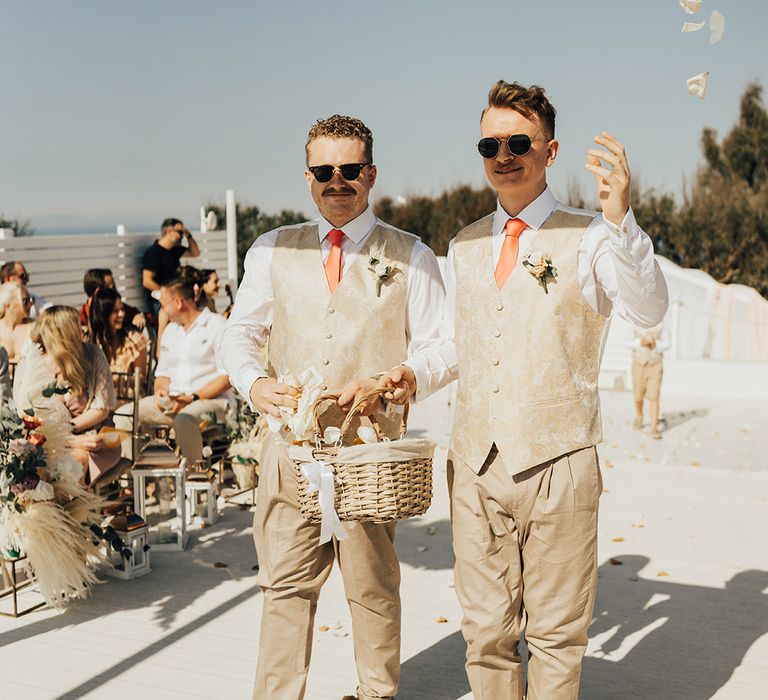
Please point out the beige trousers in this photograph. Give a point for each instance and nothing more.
(525, 549)
(293, 568)
(186, 423)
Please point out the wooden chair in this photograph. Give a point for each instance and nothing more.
(127, 388)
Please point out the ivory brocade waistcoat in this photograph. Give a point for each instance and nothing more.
(350, 334)
(528, 360)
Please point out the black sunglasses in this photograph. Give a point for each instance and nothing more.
(349, 171)
(518, 145)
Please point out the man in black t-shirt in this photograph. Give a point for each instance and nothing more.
(161, 259)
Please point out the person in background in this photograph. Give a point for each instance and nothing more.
(83, 367)
(102, 278)
(189, 378)
(5, 377)
(211, 285)
(123, 345)
(187, 275)
(161, 260)
(648, 346)
(14, 271)
(15, 323)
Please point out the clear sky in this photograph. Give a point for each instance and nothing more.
(130, 112)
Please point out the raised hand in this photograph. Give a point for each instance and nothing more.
(611, 171)
(400, 383)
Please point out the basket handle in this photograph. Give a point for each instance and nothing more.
(350, 416)
(358, 406)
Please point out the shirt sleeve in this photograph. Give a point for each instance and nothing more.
(251, 318)
(103, 386)
(619, 273)
(433, 357)
(150, 260)
(167, 349)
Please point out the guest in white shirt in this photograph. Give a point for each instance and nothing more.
(190, 379)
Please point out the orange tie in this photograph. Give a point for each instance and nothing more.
(508, 257)
(333, 263)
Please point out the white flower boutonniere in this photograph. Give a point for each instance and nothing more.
(381, 267)
(541, 267)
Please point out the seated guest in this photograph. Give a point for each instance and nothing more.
(124, 346)
(84, 369)
(14, 271)
(211, 285)
(186, 275)
(15, 323)
(5, 377)
(102, 278)
(189, 379)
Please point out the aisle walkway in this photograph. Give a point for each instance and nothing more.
(682, 609)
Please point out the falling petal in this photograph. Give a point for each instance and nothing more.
(692, 26)
(421, 548)
(697, 85)
(617, 539)
(716, 27)
(690, 6)
(323, 628)
(662, 573)
(615, 562)
(431, 530)
(441, 619)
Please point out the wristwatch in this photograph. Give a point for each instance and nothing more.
(195, 396)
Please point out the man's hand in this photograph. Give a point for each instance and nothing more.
(612, 182)
(400, 383)
(355, 390)
(139, 321)
(180, 402)
(268, 395)
(162, 400)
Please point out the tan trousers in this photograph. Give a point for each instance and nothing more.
(293, 568)
(186, 423)
(525, 549)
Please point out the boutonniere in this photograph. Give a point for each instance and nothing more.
(381, 268)
(541, 267)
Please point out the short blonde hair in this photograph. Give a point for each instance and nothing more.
(7, 292)
(341, 127)
(528, 101)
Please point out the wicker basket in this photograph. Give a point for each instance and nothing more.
(377, 482)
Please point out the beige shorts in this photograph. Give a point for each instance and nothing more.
(646, 381)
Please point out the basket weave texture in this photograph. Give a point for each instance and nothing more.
(371, 482)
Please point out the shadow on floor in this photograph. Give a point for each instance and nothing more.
(676, 418)
(669, 641)
(437, 672)
(414, 533)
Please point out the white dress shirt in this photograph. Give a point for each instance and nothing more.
(616, 271)
(192, 358)
(251, 319)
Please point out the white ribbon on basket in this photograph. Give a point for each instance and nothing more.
(320, 478)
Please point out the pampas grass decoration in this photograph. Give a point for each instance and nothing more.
(59, 551)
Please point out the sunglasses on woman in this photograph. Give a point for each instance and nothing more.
(518, 145)
(349, 171)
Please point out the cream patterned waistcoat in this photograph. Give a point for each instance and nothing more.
(528, 360)
(350, 334)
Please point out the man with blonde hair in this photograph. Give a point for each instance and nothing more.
(530, 290)
(310, 289)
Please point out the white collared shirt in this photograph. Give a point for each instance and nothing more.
(192, 358)
(251, 320)
(616, 270)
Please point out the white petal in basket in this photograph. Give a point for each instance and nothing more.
(331, 435)
(690, 6)
(692, 26)
(716, 27)
(697, 85)
(367, 434)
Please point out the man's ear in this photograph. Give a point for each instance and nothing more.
(552, 149)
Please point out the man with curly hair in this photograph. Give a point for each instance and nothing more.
(310, 290)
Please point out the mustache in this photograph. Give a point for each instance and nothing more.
(338, 190)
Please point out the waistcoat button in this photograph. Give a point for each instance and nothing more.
(495, 389)
(500, 307)
(497, 334)
(329, 335)
(326, 361)
(495, 362)
(331, 310)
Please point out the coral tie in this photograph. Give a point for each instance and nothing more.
(333, 263)
(508, 257)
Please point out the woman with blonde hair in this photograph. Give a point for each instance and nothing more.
(15, 323)
(82, 367)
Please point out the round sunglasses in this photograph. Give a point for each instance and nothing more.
(518, 145)
(349, 171)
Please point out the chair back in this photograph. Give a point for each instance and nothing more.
(128, 388)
